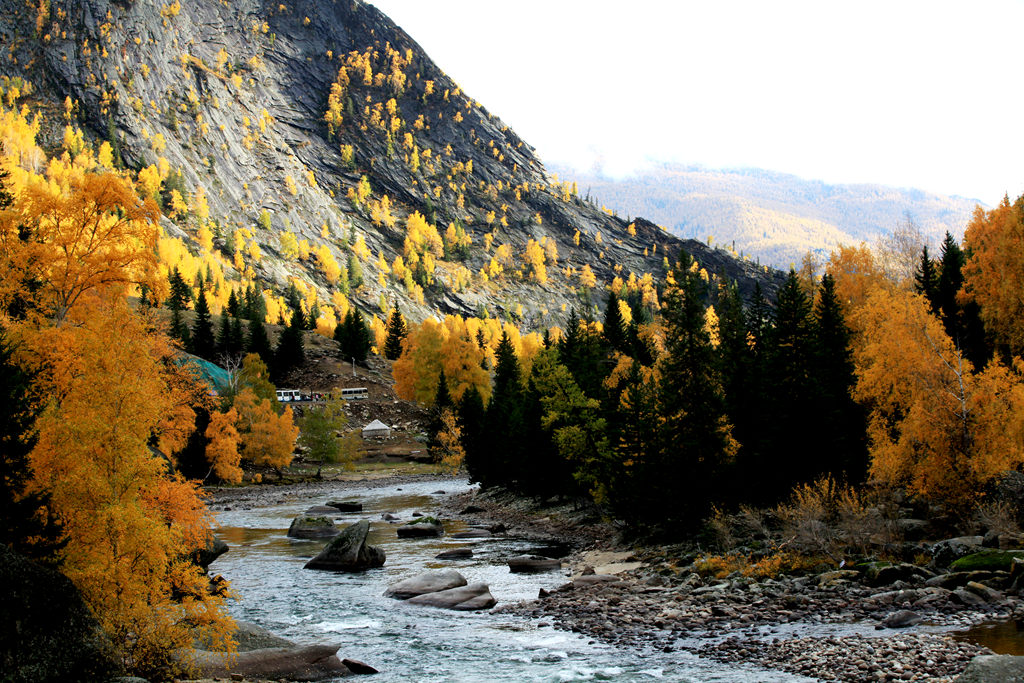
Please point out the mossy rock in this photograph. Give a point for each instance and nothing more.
(987, 560)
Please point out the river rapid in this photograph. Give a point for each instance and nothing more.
(422, 644)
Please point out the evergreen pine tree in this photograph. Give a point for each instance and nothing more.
(204, 344)
(472, 416)
(442, 402)
(26, 523)
(926, 280)
(397, 331)
(290, 352)
(234, 308)
(838, 422)
(258, 342)
(614, 327)
(314, 313)
(951, 279)
(503, 424)
(224, 337)
(683, 474)
(580, 351)
(355, 273)
(180, 294)
(360, 340)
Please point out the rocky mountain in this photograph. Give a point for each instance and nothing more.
(772, 217)
(309, 134)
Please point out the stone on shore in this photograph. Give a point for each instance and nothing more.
(349, 551)
(250, 636)
(308, 526)
(472, 533)
(475, 596)
(533, 564)
(993, 669)
(427, 582)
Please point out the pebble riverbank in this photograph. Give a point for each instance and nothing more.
(829, 627)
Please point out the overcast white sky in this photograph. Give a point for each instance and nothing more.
(913, 94)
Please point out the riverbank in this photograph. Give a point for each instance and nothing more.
(839, 625)
(896, 624)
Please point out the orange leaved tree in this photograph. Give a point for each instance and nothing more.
(935, 425)
(131, 524)
(267, 438)
(57, 244)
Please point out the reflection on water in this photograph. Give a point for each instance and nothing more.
(410, 643)
(1002, 637)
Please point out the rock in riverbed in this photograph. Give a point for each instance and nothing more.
(993, 669)
(475, 596)
(345, 505)
(424, 527)
(349, 552)
(304, 663)
(307, 526)
(427, 582)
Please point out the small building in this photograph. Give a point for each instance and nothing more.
(376, 429)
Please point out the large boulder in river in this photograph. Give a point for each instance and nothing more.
(204, 557)
(533, 564)
(944, 553)
(427, 582)
(349, 552)
(993, 669)
(475, 596)
(308, 526)
(424, 527)
(302, 663)
(46, 631)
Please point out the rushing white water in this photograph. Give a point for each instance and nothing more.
(409, 643)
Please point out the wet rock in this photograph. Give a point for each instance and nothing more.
(471, 510)
(424, 527)
(987, 594)
(308, 526)
(967, 598)
(250, 636)
(204, 557)
(902, 619)
(349, 551)
(533, 564)
(948, 551)
(456, 554)
(993, 669)
(388, 517)
(345, 505)
(472, 533)
(322, 510)
(358, 667)
(304, 663)
(427, 582)
(475, 596)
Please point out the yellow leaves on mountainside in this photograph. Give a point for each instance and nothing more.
(994, 272)
(935, 425)
(130, 525)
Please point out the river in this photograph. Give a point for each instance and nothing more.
(422, 644)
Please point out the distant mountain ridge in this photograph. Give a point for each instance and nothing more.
(773, 217)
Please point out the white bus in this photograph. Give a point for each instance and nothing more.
(288, 395)
(358, 392)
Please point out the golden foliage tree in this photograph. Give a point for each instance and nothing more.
(130, 525)
(94, 234)
(268, 439)
(934, 424)
(994, 272)
(222, 449)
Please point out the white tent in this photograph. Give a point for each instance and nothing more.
(376, 428)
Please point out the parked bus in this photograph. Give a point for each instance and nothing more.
(288, 395)
(359, 392)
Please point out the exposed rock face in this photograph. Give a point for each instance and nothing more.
(47, 634)
(308, 526)
(204, 557)
(475, 596)
(303, 663)
(234, 95)
(349, 552)
(428, 582)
